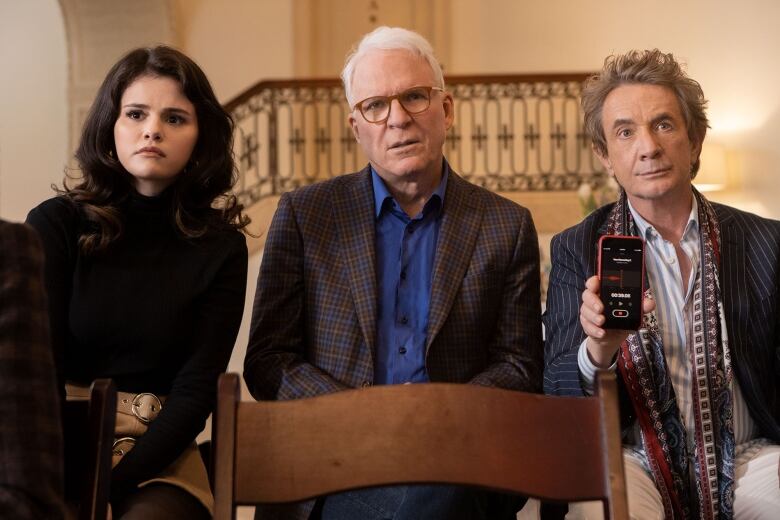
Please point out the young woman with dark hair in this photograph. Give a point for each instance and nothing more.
(146, 272)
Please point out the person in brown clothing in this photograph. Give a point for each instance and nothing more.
(31, 479)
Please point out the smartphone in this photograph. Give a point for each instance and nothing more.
(621, 273)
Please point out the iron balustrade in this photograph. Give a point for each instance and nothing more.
(512, 133)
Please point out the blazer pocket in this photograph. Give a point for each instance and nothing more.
(487, 277)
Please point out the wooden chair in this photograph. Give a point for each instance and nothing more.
(554, 448)
(88, 428)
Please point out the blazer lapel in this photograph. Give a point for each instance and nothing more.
(354, 216)
(460, 223)
(734, 280)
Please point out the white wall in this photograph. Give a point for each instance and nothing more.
(731, 48)
(33, 104)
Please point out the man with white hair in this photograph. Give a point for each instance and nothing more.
(400, 273)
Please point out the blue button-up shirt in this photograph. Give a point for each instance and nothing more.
(405, 251)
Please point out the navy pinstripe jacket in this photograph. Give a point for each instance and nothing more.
(749, 276)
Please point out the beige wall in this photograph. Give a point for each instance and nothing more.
(237, 42)
(731, 48)
(33, 104)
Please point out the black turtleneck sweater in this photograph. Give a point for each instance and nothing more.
(155, 312)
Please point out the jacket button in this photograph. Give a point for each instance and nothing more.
(365, 384)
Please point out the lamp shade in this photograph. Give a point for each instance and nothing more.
(712, 174)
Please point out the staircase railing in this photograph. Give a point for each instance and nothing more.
(512, 133)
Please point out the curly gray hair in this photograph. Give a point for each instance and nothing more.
(651, 67)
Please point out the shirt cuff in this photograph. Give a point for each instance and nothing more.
(588, 369)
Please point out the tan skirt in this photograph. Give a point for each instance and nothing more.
(133, 414)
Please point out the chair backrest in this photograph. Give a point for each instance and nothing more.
(553, 448)
(88, 428)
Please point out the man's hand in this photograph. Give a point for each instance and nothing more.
(602, 344)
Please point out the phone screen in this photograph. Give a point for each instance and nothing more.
(621, 261)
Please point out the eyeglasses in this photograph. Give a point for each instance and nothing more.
(414, 100)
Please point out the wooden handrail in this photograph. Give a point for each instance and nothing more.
(458, 79)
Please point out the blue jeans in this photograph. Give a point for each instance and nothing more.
(438, 502)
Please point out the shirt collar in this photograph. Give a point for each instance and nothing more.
(381, 193)
(647, 230)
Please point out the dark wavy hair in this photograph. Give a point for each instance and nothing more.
(202, 196)
(651, 67)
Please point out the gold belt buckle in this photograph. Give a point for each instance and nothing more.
(145, 407)
(118, 449)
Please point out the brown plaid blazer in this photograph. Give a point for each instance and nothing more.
(31, 481)
(314, 319)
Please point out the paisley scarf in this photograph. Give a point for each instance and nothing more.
(704, 479)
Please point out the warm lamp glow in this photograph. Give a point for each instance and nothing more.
(712, 174)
